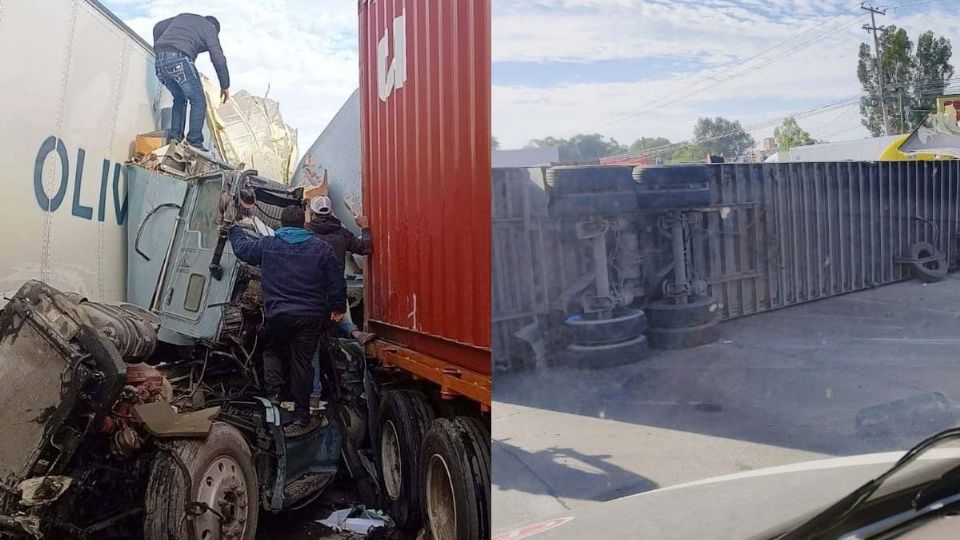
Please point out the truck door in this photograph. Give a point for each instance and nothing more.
(191, 300)
(154, 203)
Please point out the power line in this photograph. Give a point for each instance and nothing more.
(731, 73)
(765, 124)
(879, 62)
(814, 111)
(912, 4)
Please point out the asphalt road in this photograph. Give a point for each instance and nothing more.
(866, 372)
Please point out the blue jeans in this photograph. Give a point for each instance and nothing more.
(346, 327)
(346, 323)
(180, 76)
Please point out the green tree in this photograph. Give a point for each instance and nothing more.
(688, 153)
(719, 136)
(494, 143)
(912, 80)
(547, 142)
(790, 134)
(581, 147)
(931, 71)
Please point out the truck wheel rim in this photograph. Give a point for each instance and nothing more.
(390, 459)
(224, 489)
(441, 504)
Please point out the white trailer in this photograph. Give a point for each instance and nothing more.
(77, 86)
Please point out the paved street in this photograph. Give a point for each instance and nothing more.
(867, 372)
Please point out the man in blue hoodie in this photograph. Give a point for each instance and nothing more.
(303, 289)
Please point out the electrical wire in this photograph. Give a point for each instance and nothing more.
(713, 80)
(833, 106)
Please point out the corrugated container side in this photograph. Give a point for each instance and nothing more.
(425, 128)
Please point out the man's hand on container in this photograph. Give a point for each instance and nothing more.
(336, 316)
(362, 221)
(224, 95)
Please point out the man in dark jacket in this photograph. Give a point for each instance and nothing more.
(177, 42)
(328, 228)
(303, 289)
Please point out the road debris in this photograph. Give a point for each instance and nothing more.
(43, 489)
(356, 519)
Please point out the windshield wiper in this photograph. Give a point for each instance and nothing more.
(839, 511)
(948, 484)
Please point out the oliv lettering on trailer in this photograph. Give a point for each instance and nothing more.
(78, 209)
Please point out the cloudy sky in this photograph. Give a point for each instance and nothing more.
(631, 68)
(306, 50)
(624, 68)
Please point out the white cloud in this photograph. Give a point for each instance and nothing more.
(715, 33)
(588, 30)
(305, 50)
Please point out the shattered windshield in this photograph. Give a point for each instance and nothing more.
(691, 283)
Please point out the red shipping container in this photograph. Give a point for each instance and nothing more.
(425, 128)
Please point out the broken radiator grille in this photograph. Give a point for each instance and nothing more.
(31, 369)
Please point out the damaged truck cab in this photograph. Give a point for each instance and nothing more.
(148, 419)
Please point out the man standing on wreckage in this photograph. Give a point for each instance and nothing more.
(303, 290)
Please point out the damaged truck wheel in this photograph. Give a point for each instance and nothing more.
(405, 417)
(456, 479)
(699, 310)
(222, 500)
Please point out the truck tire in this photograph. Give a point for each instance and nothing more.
(624, 326)
(565, 180)
(586, 205)
(405, 416)
(673, 198)
(671, 175)
(222, 476)
(610, 355)
(932, 271)
(456, 479)
(698, 310)
(683, 338)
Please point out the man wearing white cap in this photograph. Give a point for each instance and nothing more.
(328, 228)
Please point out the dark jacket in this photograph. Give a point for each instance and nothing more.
(299, 273)
(192, 34)
(329, 229)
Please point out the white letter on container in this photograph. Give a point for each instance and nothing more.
(393, 77)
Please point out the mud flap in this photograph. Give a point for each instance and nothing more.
(163, 422)
(359, 466)
(273, 418)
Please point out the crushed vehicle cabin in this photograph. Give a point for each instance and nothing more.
(131, 417)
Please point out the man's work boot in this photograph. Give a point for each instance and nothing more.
(316, 404)
(362, 337)
(301, 419)
(199, 148)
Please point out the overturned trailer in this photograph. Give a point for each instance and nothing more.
(766, 236)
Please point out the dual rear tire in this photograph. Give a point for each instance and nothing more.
(434, 472)
(683, 326)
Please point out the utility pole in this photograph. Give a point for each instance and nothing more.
(900, 87)
(872, 27)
